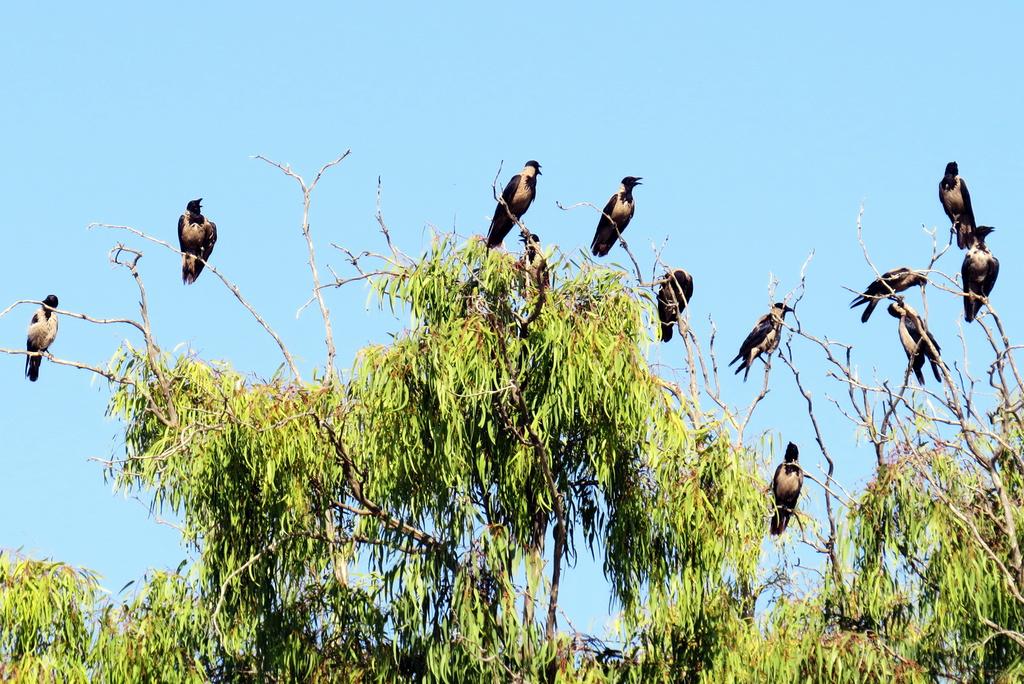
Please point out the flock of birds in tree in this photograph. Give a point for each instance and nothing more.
(197, 236)
(978, 272)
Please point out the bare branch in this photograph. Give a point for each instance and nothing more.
(227, 283)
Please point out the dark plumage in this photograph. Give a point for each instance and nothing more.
(616, 216)
(518, 196)
(956, 201)
(979, 272)
(534, 262)
(42, 331)
(763, 339)
(196, 236)
(891, 282)
(912, 331)
(673, 296)
(786, 486)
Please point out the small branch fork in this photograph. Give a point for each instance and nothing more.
(622, 242)
(307, 194)
(232, 287)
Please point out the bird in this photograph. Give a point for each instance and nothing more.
(534, 262)
(674, 294)
(912, 332)
(615, 217)
(979, 272)
(515, 200)
(891, 282)
(763, 339)
(786, 486)
(42, 331)
(956, 201)
(196, 235)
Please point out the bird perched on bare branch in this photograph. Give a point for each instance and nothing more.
(786, 486)
(763, 339)
(196, 235)
(979, 272)
(673, 296)
(534, 262)
(615, 217)
(956, 201)
(891, 282)
(912, 336)
(42, 331)
(515, 200)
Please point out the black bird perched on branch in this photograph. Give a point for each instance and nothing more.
(534, 262)
(196, 235)
(786, 486)
(615, 217)
(763, 339)
(912, 334)
(891, 282)
(42, 331)
(979, 272)
(956, 201)
(673, 296)
(518, 196)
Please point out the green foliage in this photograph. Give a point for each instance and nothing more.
(414, 521)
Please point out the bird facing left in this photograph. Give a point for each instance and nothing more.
(42, 331)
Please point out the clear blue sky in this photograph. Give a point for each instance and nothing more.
(759, 129)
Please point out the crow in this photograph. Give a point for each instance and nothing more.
(956, 201)
(196, 235)
(979, 273)
(912, 333)
(515, 200)
(763, 339)
(42, 331)
(673, 296)
(786, 486)
(615, 217)
(891, 282)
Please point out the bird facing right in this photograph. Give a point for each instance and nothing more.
(42, 331)
(763, 339)
(515, 200)
(956, 201)
(673, 296)
(615, 217)
(979, 272)
(196, 236)
(786, 486)
(891, 282)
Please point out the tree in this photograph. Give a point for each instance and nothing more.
(416, 518)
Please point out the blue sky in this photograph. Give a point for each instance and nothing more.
(759, 130)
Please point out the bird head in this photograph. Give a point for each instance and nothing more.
(782, 308)
(983, 232)
(630, 181)
(792, 453)
(952, 169)
(536, 166)
(194, 207)
(533, 237)
(51, 301)
(897, 309)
